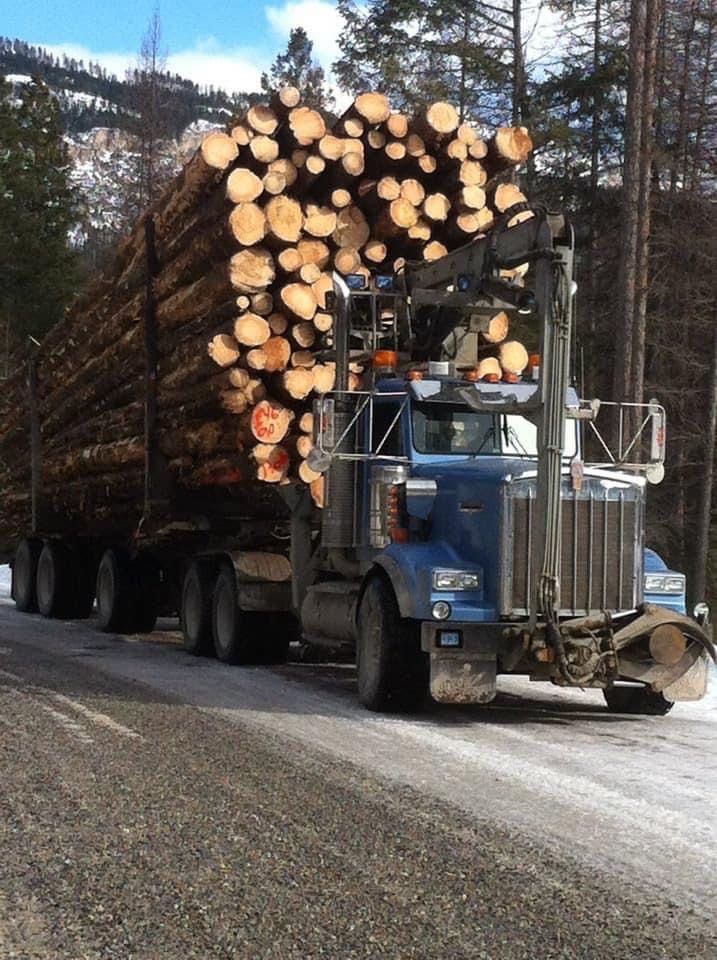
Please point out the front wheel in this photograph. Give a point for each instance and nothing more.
(392, 670)
(231, 627)
(636, 700)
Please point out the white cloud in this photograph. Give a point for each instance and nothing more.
(207, 63)
(321, 20)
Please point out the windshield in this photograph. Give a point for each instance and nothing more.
(446, 428)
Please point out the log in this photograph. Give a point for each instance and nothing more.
(262, 119)
(303, 358)
(243, 186)
(397, 125)
(290, 260)
(298, 383)
(286, 169)
(251, 270)
(278, 323)
(304, 334)
(274, 183)
(247, 223)
(323, 322)
(299, 299)
(437, 123)
(269, 422)
(306, 422)
(347, 260)
(309, 273)
(224, 350)
(264, 149)
(375, 251)
(395, 218)
(318, 492)
(489, 367)
(436, 206)
(307, 474)
(272, 462)
(374, 108)
(434, 250)
(261, 303)
(242, 134)
(497, 328)
(340, 198)
(251, 330)
(322, 286)
(306, 125)
(351, 229)
(284, 219)
(277, 351)
(376, 139)
(413, 191)
(513, 357)
(509, 147)
(324, 377)
(234, 401)
(285, 99)
(314, 251)
(319, 222)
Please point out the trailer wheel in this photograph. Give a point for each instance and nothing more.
(231, 627)
(115, 592)
(196, 610)
(392, 670)
(24, 575)
(55, 588)
(636, 700)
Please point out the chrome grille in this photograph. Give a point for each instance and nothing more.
(601, 559)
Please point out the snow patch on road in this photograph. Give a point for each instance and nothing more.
(5, 580)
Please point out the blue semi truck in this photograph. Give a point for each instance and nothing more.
(472, 526)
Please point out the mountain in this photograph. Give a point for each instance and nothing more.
(101, 122)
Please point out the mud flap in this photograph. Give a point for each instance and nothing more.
(460, 680)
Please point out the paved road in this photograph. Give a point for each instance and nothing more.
(157, 806)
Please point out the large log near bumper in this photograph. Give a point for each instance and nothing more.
(678, 671)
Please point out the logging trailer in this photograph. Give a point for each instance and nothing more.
(464, 533)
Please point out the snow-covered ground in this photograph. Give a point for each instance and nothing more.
(4, 582)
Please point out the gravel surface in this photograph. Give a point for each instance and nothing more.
(149, 809)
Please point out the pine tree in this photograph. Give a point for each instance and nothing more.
(37, 212)
(422, 50)
(297, 66)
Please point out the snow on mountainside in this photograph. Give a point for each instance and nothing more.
(98, 110)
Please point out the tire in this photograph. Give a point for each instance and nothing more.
(636, 700)
(196, 609)
(391, 668)
(115, 593)
(231, 627)
(24, 575)
(55, 588)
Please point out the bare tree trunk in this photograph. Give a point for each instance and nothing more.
(647, 142)
(627, 279)
(704, 511)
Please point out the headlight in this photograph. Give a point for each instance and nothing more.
(456, 580)
(655, 583)
(441, 610)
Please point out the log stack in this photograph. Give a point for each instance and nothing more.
(233, 264)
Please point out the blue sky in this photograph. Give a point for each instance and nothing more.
(226, 43)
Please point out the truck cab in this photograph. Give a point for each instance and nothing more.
(465, 533)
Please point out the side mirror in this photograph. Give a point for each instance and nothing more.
(701, 614)
(420, 495)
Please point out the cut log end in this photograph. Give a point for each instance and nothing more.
(219, 150)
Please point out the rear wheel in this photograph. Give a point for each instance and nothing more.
(24, 575)
(115, 593)
(54, 583)
(231, 627)
(391, 668)
(636, 700)
(196, 610)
